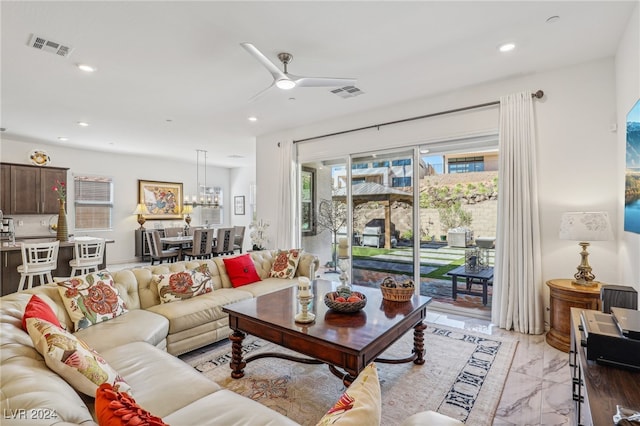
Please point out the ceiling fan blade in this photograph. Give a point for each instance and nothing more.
(273, 69)
(321, 81)
(261, 93)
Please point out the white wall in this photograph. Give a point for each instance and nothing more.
(241, 180)
(576, 154)
(627, 94)
(125, 171)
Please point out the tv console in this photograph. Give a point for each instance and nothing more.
(597, 389)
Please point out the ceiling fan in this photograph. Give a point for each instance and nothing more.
(286, 81)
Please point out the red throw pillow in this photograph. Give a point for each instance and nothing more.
(38, 308)
(241, 270)
(119, 409)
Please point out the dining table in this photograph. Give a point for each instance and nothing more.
(182, 242)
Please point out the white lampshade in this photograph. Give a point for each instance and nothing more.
(585, 226)
(141, 209)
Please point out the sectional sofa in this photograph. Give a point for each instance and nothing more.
(141, 346)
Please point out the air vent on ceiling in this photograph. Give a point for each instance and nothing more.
(42, 43)
(347, 92)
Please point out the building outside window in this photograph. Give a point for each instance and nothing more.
(466, 164)
(401, 181)
(403, 162)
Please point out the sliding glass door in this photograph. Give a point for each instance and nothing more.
(407, 214)
(382, 216)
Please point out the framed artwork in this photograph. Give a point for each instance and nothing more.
(632, 172)
(238, 205)
(163, 199)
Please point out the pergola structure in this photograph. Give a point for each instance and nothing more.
(365, 192)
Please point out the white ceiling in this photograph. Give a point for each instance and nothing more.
(182, 61)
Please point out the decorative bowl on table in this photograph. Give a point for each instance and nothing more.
(337, 301)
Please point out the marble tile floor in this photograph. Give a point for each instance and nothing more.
(538, 387)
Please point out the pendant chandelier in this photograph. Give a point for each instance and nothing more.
(205, 196)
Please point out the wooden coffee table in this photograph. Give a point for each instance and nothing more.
(342, 341)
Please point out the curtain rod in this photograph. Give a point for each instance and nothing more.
(538, 94)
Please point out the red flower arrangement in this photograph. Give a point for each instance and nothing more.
(61, 189)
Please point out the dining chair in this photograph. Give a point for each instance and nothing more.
(88, 255)
(224, 242)
(238, 238)
(38, 259)
(155, 248)
(202, 245)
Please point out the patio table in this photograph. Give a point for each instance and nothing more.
(482, 276)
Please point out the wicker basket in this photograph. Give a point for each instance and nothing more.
(397, 294)
(344, 307)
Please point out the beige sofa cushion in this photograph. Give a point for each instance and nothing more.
(134, 326)
(189, 313)
(160, 383)
(237, 411)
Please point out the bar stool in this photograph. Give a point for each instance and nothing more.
(88, 255)
(38, 259)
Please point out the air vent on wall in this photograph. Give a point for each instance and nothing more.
(42, 43)
(347, 92)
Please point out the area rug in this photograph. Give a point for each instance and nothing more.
(463, 377)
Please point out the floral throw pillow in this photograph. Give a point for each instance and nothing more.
(91, 298)
(286, 263)
(184, 284)
(82, 367)
(360, 404)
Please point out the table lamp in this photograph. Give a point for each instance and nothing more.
(187, 209)
(140, 210)
(583, 227)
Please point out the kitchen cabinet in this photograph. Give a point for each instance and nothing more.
(27, 189)
(5, 191)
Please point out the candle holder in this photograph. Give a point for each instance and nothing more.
(304, 316)
(343, 265)
(305, 297)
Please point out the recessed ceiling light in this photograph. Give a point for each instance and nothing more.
(252, 118)
(86, 68)
(506, 47)
(82, 124)
(424, 151)
(292, 99)
(63, 138)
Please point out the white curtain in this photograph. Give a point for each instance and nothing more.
(517, 300)
(283, 232)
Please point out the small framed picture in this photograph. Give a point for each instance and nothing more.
(238, 205)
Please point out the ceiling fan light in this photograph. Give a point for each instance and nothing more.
(285, 84)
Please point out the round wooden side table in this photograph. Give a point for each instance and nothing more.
(563, 296)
